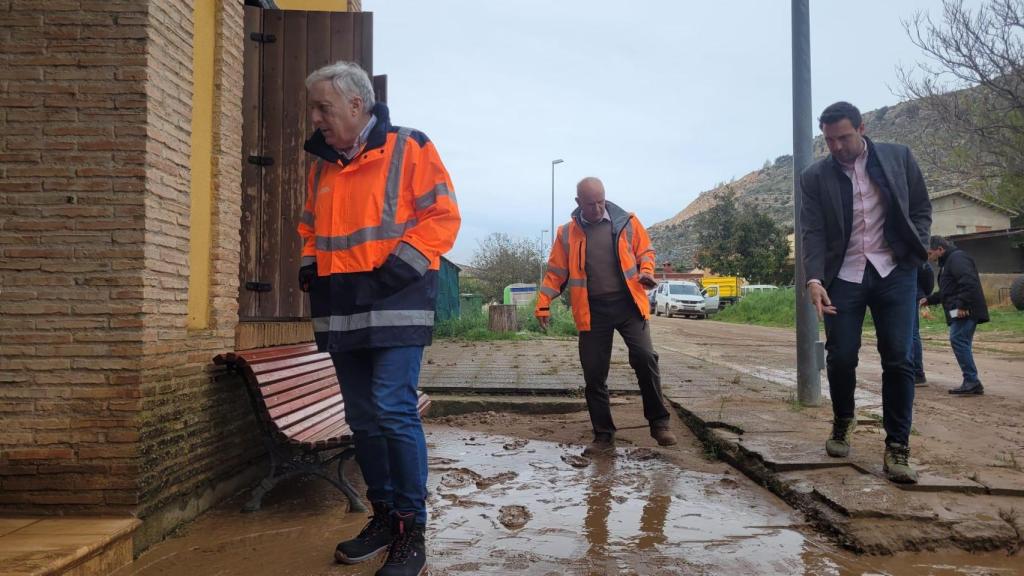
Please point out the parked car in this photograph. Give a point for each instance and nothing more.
(751, 288)
(681, 298)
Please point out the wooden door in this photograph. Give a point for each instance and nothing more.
(281, 49)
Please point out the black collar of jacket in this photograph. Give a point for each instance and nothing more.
(945, 256)
(317, 146)
(619, 217)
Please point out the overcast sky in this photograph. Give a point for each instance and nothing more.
(661, 100)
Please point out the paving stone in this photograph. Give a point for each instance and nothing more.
(783, 452)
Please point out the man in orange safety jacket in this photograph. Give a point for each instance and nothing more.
(604, 256)
(380, 210)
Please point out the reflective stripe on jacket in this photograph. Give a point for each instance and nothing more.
(376, 227)
(567, 264)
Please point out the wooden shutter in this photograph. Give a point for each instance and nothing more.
(281, 49)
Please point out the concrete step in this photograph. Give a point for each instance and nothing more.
(79, 546)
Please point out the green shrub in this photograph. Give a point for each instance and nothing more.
(772, 308)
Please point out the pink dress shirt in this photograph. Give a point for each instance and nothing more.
(867, 236)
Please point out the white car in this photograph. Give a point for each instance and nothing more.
(681, 298)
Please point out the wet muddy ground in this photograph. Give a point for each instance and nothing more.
(510, 494)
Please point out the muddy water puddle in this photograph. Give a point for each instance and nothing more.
(507, 505)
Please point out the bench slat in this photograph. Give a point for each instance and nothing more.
(259, 368)
(334, 427)
(267, 390)
(288, 373)
(263, 354)
(299, 428)
(284, 411)
(290, 394)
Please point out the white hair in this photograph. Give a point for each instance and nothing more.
(349, 79)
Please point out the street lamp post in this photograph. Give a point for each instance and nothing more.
(553, 162)
(808, 349)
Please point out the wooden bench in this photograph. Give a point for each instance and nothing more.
(295, 393)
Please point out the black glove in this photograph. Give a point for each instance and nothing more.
(307, 275)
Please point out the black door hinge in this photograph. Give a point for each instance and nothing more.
(262, 38)
(258, 286)
(261, 160)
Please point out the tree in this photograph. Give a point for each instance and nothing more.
(972, 84)
(501, 260)
(742, 242)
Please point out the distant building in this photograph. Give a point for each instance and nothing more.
(956, 212)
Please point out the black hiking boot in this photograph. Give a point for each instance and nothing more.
(920, 380)
(374, 538)
(408, 553)
(969, 389)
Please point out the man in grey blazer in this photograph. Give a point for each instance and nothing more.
(866, 219)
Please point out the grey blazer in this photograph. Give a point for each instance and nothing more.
(826, 210)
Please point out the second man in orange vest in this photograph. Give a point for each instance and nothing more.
(604, 257)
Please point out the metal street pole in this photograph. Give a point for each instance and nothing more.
(553, 162)
(808, 349)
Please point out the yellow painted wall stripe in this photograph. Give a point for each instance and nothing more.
(201, 163)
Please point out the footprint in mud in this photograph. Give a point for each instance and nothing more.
(514, 516)
(459, 478)
(642, 454)
(516, 444)
(438, 461)
(575, 460)
(484, 483)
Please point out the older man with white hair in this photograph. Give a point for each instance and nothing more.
(380, 211)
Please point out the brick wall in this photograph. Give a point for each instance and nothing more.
(196, 429)
(107, 401)
(72, 148)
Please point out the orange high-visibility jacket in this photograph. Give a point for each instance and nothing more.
(567, 264)
(376, 227)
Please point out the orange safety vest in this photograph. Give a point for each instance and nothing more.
(376, 227)
(567, 264)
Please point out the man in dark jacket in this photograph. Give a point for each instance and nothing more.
(925, 286)
(865, 219)
(963, 304)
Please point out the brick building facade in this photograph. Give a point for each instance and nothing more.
(120, 188)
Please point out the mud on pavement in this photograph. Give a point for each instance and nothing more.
(510, 494)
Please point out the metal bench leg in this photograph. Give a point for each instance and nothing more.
(261, 489)
(354, 503)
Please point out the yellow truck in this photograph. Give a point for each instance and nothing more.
(728, 288)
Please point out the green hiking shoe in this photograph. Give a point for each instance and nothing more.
(838, 445)
(897, 464)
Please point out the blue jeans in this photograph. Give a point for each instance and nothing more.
(918, 349)
(379, 387)
(893, 305)
(961, 338)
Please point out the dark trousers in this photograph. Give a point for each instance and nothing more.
(961, 338)
(893, 305)
(379, 388)
(918, 350)
(606, 316)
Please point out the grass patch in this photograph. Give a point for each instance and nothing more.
(778, 308)
(473, 325)
(774, 308)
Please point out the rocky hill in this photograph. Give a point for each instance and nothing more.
(771, 188)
